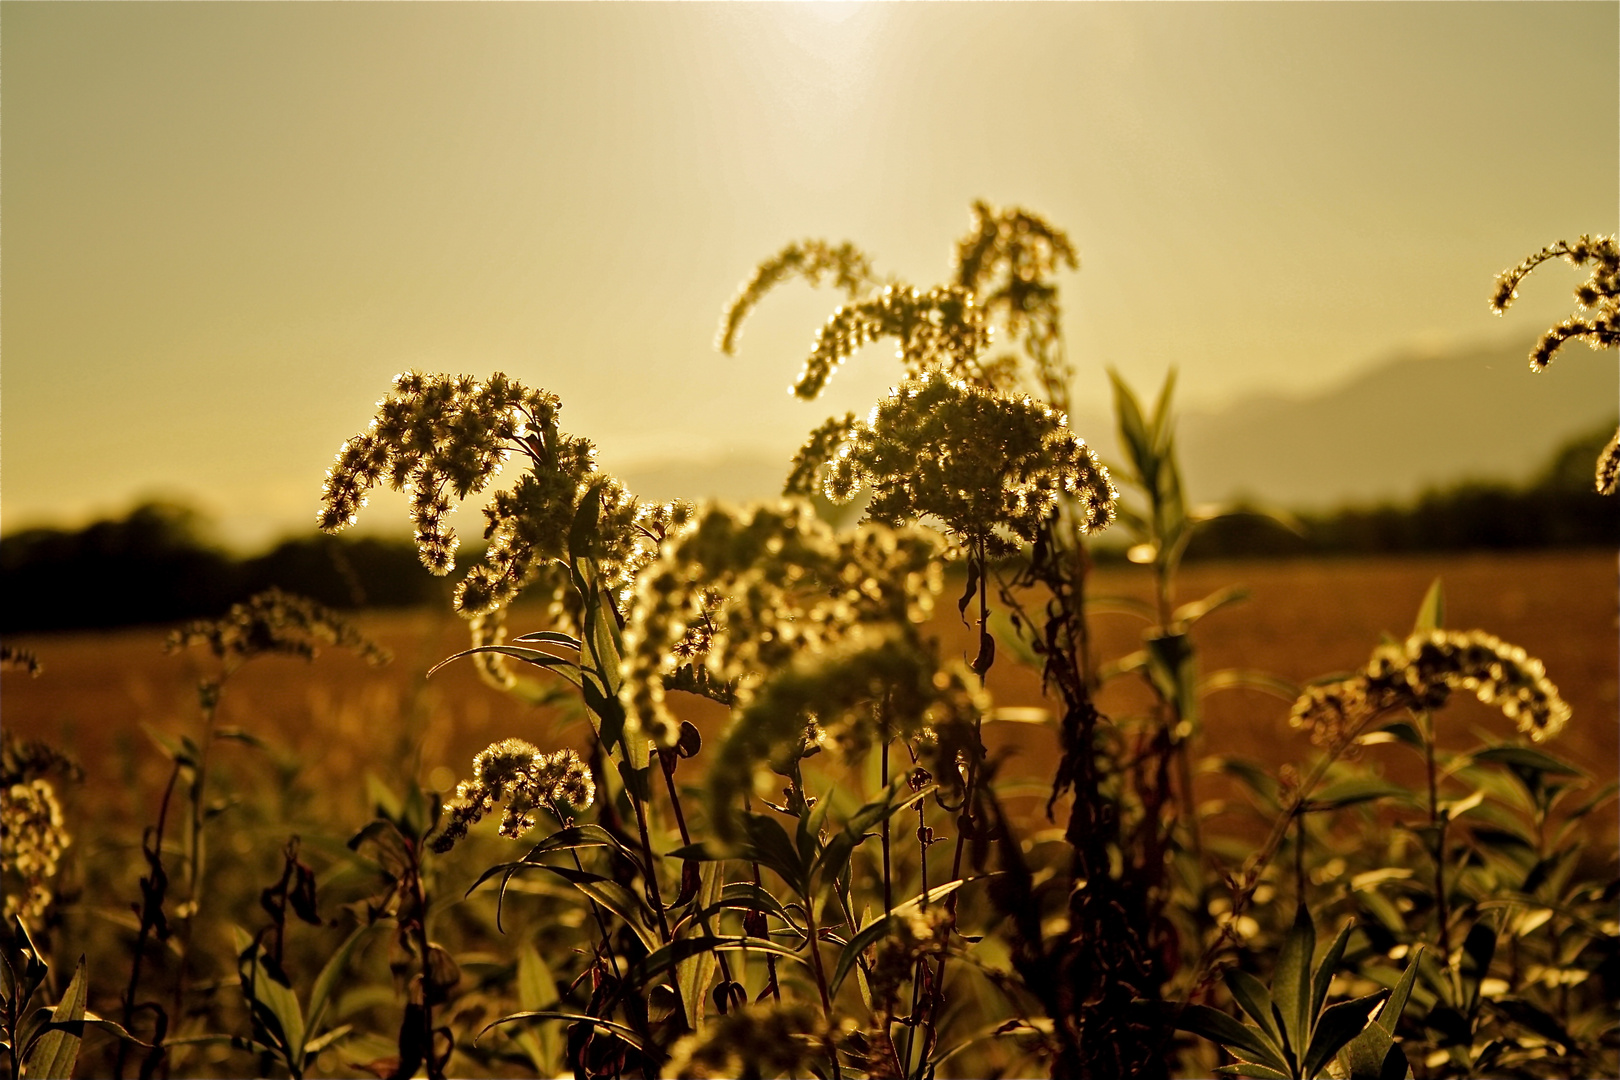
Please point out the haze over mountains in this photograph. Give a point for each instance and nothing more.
(1412, 423)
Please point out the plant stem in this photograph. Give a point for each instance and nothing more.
(686, 840)
(888, 893)
(651, 871)
(146, 923)
(1442, 907)
(821, 981)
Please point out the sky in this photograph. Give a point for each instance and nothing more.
(224, 227)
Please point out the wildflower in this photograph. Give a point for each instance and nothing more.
(1007, 260)
(977, 460)
(942, 327)
(32, 839)
(813, 260)
(1597, 323)
(816, 452)
(517, 773)
(439, 437)
(275, 622)
(1422, 672)
(754, 589)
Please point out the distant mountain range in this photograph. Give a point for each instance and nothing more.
(1412, 423)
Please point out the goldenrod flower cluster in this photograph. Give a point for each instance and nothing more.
(943, 327)
(812, 260)
(1006, 260)
(786, 584)
(438, 436)
(32, 839)
(1597, 323)
(1421, 674)
(980, 461)
(517, 773)
(817, 450)
(435, 435)
(275, 622)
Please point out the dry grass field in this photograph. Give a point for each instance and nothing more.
(330, 722)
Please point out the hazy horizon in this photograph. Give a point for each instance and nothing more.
(226, 226)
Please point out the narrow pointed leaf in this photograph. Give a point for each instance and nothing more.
(1253, 997)
(1291, 984)
(1431, 614)
(619, 1030)
(56, 1052)
(320, 994)
(1330, 964)
(1337, 1026)
(1252, 1068)
(1216, 1026)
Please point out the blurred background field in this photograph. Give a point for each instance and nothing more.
(325, 725)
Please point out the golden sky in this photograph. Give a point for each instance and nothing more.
(223, 227)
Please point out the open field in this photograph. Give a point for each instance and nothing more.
(334, 720)
(325, 726)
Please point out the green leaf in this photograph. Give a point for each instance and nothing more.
(1291, 983)
(1324, 972)
(1133, 431)
(765, 842)
(619, 1030)
(568, 669)
(613, 897)
(236, 734)
(1251, 1068)
(55, 1053)
(833, 858)
(552, 637)
(1161, 408)
(665, 957)
(1358, 790)
(1431, 614)
(938, 893)
(1529, 759)
(275, 1004)
(1253, 997)
(1244, 679)
(1478, 948)
(536, 990)
(1337, 1026)
(320, 994)
(694, 973)
(1216, 1026)
(1198, 609)
(1118, 605)
(1372, 1054)
(852, 951)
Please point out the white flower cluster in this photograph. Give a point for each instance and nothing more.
(1421, 673)
(517, 773)
(980, 461)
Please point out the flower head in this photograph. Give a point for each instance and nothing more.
(1421, 673)
(275, 622)
(983, 463)
(517, 773)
